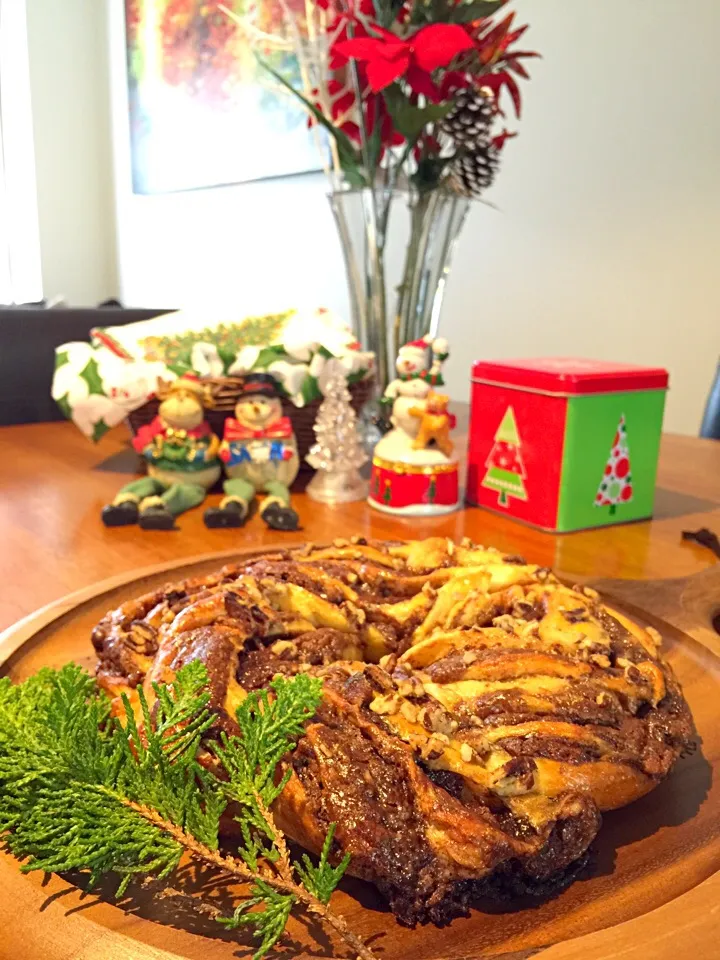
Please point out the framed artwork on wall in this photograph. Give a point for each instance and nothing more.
(203, 111)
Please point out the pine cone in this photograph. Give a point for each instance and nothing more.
(469, 124)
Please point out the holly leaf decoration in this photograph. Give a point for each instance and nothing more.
(90, 375)
(180, 367)
(410, 121)
(267, 356)
(227, 356)
(61, 358)
(65, 408)
(310, 390)
(99, 430)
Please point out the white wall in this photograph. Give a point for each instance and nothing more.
(607, 242)
(607, 238)
(67, 43)
(246, 243)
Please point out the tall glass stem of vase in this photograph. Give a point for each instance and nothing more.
(376, 212)
(396, 299)
(436, 219)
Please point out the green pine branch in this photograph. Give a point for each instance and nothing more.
(81, 791)
(322, 879)
(269, 922)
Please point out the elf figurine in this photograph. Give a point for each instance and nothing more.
(260, 454)
(181, 453)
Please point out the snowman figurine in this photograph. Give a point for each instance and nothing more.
(414, 470)
(419, 369)
(260, 454)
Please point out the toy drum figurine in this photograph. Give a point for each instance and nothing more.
(414, 470)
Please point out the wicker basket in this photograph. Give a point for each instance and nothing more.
(226, 391)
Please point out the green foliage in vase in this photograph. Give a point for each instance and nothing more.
(79, 790)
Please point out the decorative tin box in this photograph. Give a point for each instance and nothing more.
(565, 444)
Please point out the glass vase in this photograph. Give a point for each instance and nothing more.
(398, 247)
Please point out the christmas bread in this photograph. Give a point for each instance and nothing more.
(477, 714)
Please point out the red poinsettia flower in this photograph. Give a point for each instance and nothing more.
(386, 57)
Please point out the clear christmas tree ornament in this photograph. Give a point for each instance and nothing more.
(337, 453)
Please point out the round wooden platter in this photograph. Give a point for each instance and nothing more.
(652, 891)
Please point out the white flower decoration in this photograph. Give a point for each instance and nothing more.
(297, 345)
(349, 362)
(68, 382)
(136, 383)
(205, 360)
(338, 339)
(244, 361)
(316, 365)
(306, 332)
(291, 376)
(300, 338)
(67, 379)
(355, 360)
(94, 385)
(93, 408)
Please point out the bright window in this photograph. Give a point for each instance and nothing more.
(20, 275)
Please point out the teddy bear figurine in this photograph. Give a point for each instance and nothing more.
(260, 455)
(436, 422)
(181, 453)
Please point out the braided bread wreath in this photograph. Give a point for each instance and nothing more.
(477, 715)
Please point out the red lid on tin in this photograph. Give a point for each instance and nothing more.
(570, 375)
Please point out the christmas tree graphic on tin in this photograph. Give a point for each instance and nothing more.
(616, 484)
(505, 469)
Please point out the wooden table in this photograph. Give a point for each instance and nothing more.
(54, 482)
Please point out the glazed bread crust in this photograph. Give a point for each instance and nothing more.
(477, 714)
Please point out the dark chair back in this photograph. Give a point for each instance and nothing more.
(28, 338)
(711, 420)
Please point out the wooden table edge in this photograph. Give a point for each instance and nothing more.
(657, 934)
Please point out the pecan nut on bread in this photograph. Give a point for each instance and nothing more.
(477, 715)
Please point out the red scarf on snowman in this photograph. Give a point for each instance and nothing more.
(280, 429)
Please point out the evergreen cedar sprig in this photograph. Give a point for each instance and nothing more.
(81, 791)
